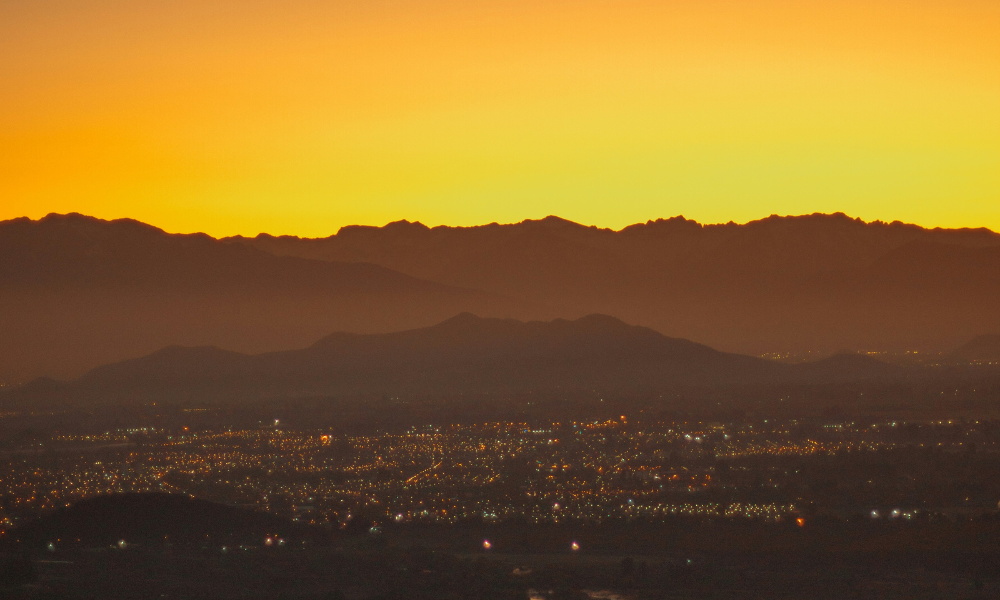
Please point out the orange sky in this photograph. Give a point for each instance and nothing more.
(302, 116)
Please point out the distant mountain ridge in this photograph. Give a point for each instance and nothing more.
(982, 349)
(77, 292)
(464, 354)
(812, 282)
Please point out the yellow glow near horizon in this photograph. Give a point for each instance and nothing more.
(302, 116)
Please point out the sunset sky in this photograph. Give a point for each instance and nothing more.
(301, 116)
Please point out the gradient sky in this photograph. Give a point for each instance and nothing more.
(301, 116)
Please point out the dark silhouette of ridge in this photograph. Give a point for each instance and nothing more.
(151, 518)
(982, 349)
(813, 282)
(77, 292)
(464, 354)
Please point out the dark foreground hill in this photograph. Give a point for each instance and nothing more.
(828, 559)
(465, 354)
(815, 282)
(77, 292)
(152, 518)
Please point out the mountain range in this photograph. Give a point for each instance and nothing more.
(466, 354)
(78, 292)
(808, 283)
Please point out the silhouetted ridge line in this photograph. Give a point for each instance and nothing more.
(465, 354)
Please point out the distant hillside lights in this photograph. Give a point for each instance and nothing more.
(895, 513)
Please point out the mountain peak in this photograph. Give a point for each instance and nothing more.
(678, 224)
(981, 349)
(404, 225)
(402, 228)
(462, 318)
(553, 221)
(75, 219)
(598, 320)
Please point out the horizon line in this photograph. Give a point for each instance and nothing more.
(550, 217)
